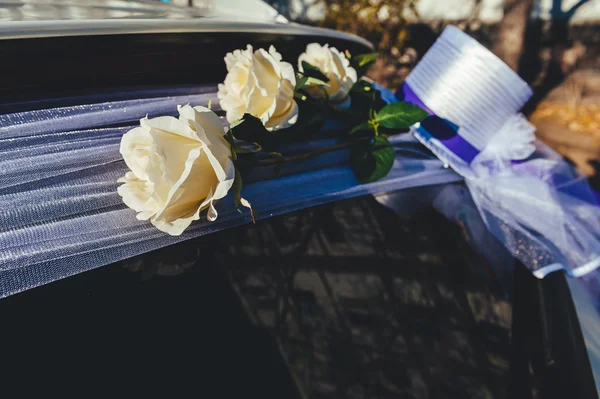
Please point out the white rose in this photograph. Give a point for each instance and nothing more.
(260, 84)
(336, 67)
(178, 168)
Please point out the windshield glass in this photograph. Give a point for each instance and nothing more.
(60, 10)
(345, 300)
(51, 10)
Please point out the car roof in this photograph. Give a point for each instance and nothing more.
(23, 19)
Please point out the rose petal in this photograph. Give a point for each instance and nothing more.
(167, 161)
(188, 193)
(170, 125)
(135, 147)
(212, 212)
(209, 120)
(266, 71)
(287, 73)
(137, 194)
(259, 105)
(286, 119)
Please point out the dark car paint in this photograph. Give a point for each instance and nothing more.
(344, 300)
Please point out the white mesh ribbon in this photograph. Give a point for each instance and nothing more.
(60, 213)
(534, 202)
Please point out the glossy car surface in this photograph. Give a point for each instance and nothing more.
(343, 300)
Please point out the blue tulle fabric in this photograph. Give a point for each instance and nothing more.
(60, 213)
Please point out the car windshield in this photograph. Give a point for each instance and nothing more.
(60, 10)
(342, 300)
(48, 10)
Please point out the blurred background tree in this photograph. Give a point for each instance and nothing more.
(384, 23)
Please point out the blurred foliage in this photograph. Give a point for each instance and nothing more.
(382, 22)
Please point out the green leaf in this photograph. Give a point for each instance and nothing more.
(248, 128)
(305, 81)
(236, 123)
(236, 189)
(251, 148)
(229, 138)
(363, 60)
(361, 127)
(300, 82)
(365, 98)
(401, 115)
(372, 161)
(362, 87)
(313, 72)
(317, 82)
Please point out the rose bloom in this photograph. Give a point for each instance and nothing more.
(179, 167)
(260, 84)
(336, 67)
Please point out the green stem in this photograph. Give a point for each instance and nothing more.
(299, 157)
(375, 126)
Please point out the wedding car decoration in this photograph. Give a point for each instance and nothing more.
(300, 133)
(182, 166)
(524, 191)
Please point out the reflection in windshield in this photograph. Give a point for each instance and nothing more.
(52, 10)
(362, 303)
(344, 300)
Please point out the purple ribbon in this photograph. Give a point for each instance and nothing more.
(441, 129)
(410, 96)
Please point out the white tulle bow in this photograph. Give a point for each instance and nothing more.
(535, 204)
(514, 141)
